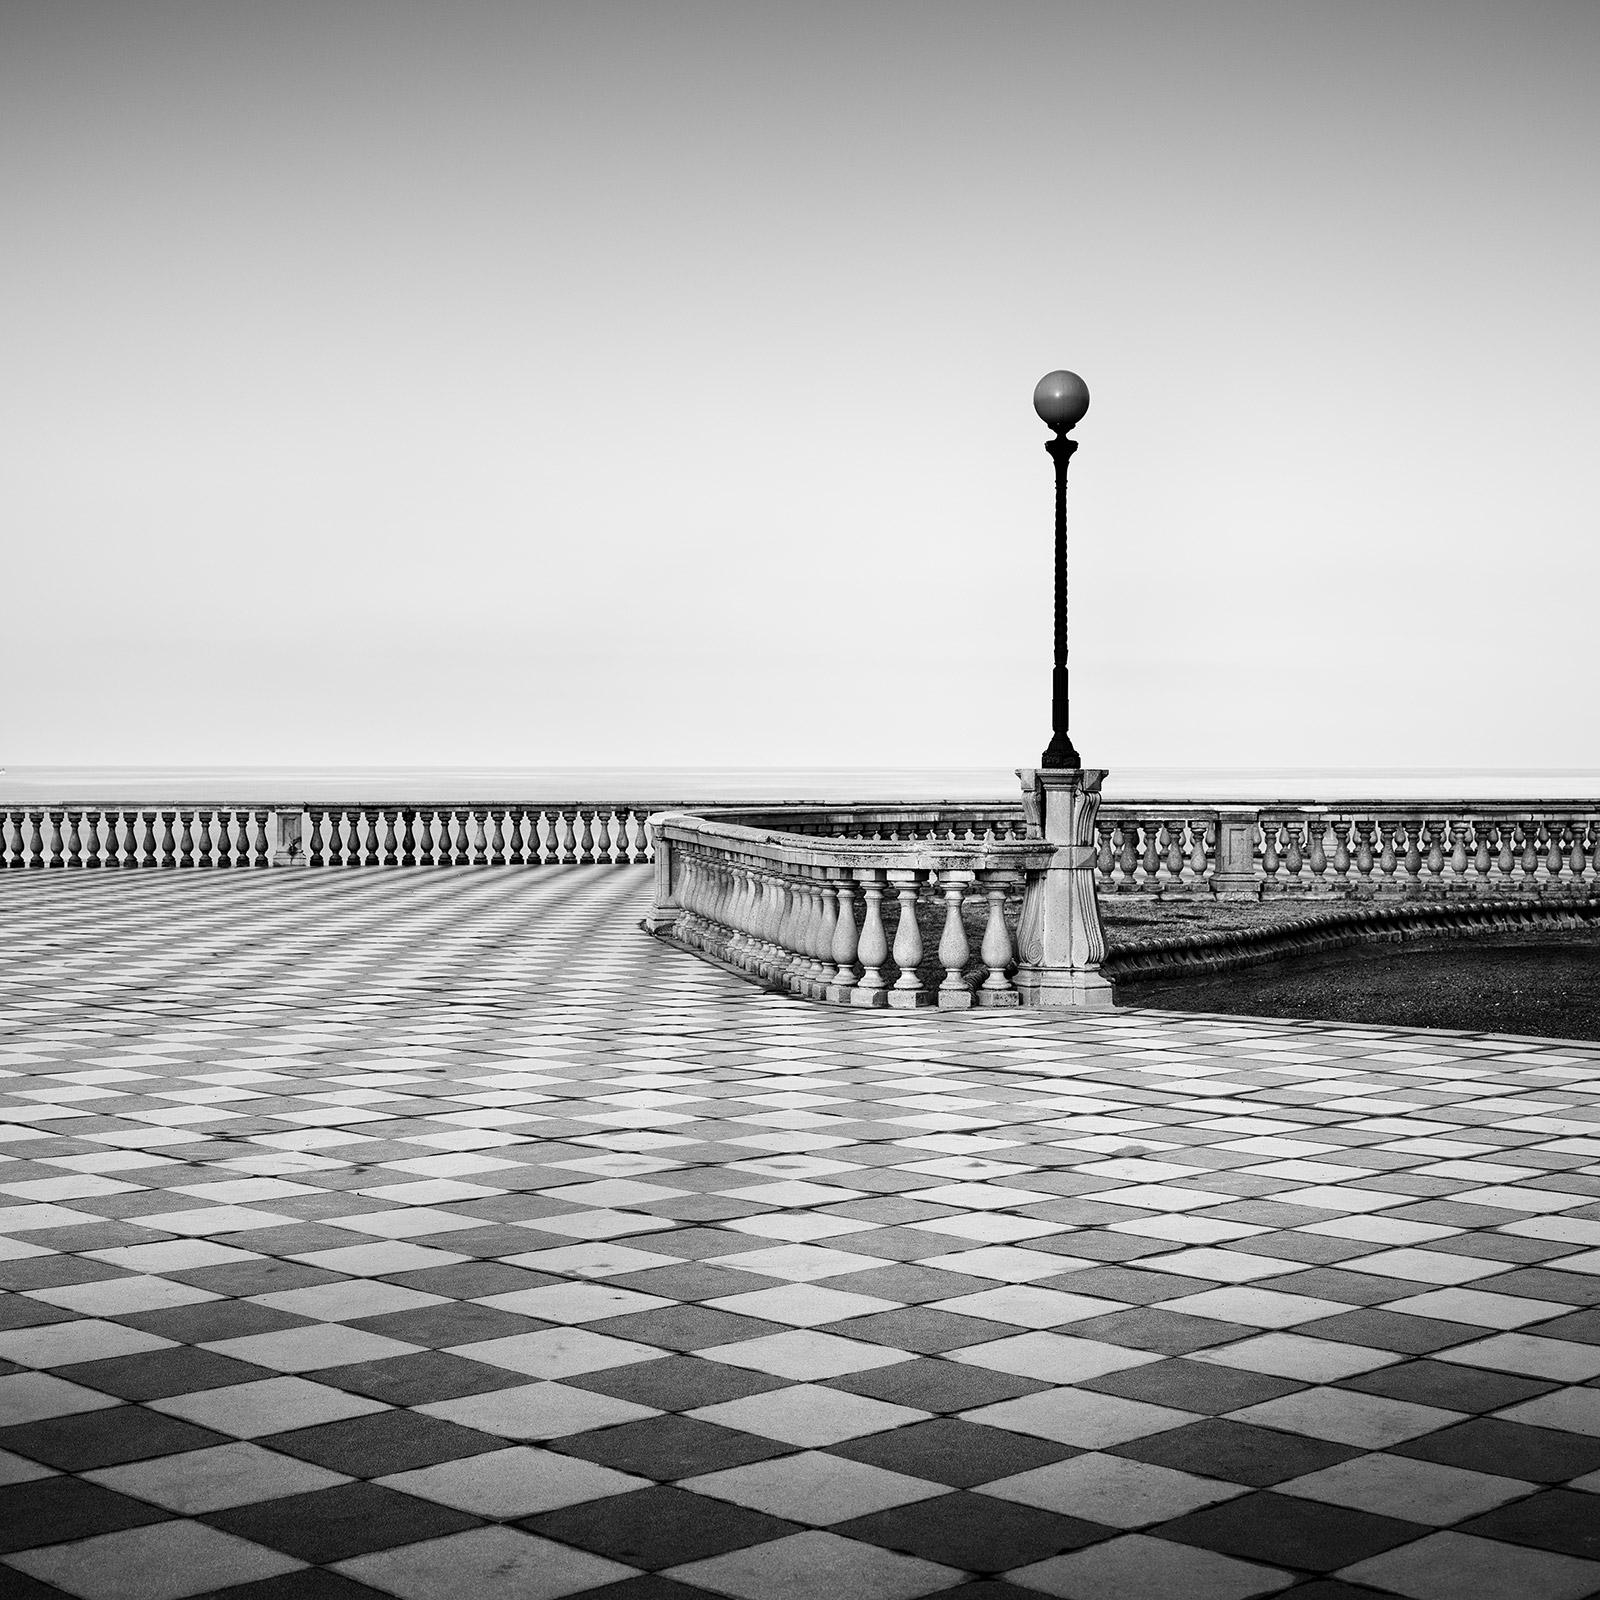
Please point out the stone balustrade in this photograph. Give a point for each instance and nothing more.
(838, 919)
(1358, 851)
(321, 834)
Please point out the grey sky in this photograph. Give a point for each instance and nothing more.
(628, 384)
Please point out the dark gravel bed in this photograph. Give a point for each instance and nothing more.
(1544, 983)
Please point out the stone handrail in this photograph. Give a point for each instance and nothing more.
(781, 907)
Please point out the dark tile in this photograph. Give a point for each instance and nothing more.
(1335, 1283)
(1544, 1283)
(1336, 1589)
(1313, 1249)
(1168, 1333)
(1137, 1286)
(670, 1447)
(911, 1282)
(19, 1586)
(1286, 1531)
(1499, 1247)
(383, 1442)
(677, 1383)
(1511, 1449)
(685, 1327)
(687, 1280)
(988, 1589)
(471, 1280)
(54, 1510)
(459, 1322)
(938, 1386)
(1391, 1330)
(213, 1320)
(294, 1239)
(309, 1583)
(1451, 1388)
(659, 1527)
(1235, 1451)
(420, 1379)
(974, 1532)
(902, 1244)
(53, 1272)
(1264, 1214)
(946, 1450)
(1564, 1520)
(264, 1276)
(921, 1329)
(347, 1520)
(1099, 1245)
(1580, 1327)
(695, 1244)
(107, 1438)
(158, 1374)
(17, 1311)
(652, 1586)
(1200, 1386)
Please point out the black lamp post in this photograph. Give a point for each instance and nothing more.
(1061, 399)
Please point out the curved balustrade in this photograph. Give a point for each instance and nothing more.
(838, 919)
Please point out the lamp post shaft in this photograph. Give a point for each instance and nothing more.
(1061, 751)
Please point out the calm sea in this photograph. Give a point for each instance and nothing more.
(660, 785)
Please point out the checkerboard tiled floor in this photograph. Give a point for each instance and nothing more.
(437, 1234)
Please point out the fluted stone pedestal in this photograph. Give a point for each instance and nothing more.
(1060, 942)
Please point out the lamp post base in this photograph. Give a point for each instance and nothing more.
(1059, 938)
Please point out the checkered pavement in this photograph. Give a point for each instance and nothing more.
(435, 1233)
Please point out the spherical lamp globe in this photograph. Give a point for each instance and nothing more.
(1061, 399)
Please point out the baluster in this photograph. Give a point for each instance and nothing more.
(496, 840)
(1128, 859)
(1435, 834)
(391, 845)
(317, 851)
(1151, 859)
(1294, 860)
(1269, 853)
(525, 838)
(872, 948)
(36, 845)
(1481, 831)
(1505, 858)
(1106, 862)
(641, 840)
(1528, 832)
(204, 839)
(1552, 858)
(404, 849)
(955, 991)
(799, 935)
(997, 988)
(907, 991)
(1202, 851)
(569, 838)
(459, 838)
(1317, 854)
(843, 951)
(227, 852)
(91, 840)
(1388, 861)
(169, 841)
(1413, 861)
(1458, 853)
(1587, 839)
(1364, 862)
(10, 830)
(1174, 861)
(185, 838)
(74, 843)
(261, 854)
(1341, 852)
(147, 847)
